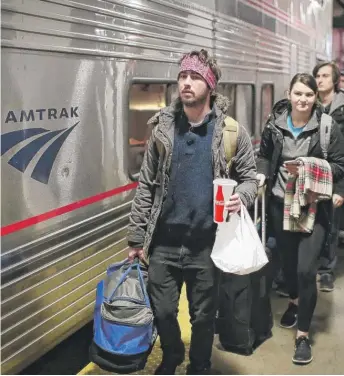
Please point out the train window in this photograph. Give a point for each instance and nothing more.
(267, 101)
(244, 106)
(249, 14)
(144, 101)
(228, 90)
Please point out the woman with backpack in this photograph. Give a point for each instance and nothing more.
(296, 129)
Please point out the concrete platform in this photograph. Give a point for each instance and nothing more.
(274, 356)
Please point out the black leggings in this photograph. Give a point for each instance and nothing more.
(299, 255)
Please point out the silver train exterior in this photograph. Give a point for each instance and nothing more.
(79, 80)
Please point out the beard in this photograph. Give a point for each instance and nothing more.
(195, 101)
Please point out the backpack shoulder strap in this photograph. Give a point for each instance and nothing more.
(325, 133)
(230, 139)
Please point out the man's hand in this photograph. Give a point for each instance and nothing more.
(136, 252)
(337, 200)
(234, 204)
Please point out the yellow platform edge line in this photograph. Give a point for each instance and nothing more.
(90, 369)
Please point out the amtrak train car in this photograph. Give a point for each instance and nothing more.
(80, 79)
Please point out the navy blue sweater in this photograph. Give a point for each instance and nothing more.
(188, 207)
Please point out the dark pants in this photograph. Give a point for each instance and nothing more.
(329, 255)
(169, 267)
(299, 255)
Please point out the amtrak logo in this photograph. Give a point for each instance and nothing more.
(22, 158)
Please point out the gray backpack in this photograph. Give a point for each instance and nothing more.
(325, 133)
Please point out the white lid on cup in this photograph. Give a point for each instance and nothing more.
(225, 182)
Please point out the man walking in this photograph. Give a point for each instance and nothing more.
(171, 220)
(327, 76)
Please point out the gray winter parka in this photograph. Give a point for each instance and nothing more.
(155, 170)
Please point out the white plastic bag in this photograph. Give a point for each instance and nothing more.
(238, 248)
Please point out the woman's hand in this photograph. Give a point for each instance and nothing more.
(337, 200)
(292, 168)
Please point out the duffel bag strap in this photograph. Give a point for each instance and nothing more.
(141, 280)
(143, 287)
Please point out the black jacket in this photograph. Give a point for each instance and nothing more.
(271, 146)
(337, 110)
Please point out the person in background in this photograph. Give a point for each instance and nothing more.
(171, 219)
(327, 76)
(341, 82)
(291, 132)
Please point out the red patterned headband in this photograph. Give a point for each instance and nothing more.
(193, 63)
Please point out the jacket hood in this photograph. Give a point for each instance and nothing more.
(279, 107)
(337, 102)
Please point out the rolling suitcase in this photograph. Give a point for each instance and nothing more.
(244, 319)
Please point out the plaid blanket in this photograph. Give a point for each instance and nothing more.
(313, 183)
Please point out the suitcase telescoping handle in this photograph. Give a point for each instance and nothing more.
(263, 217)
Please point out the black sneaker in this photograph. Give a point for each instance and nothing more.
(303, 351)
(326, 282)
(289, 318)
(170, 363)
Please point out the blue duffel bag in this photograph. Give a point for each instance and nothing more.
(124, 332)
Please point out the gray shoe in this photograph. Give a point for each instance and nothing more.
(326, 282)
(303, 351)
